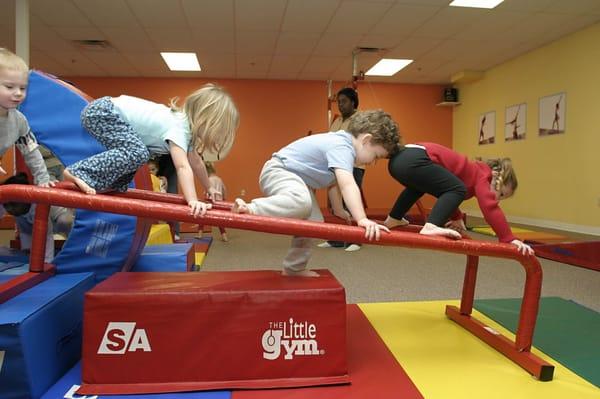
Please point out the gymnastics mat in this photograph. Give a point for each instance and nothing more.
(166, 258)
(565, 330)
(445, 361)
(71, 381)
(10, 270)
(582, 254)
(213, 330)
(160, 233)
(374, 373)
(188, 227)
(523, 234)
(200, 244)
(201, 247)
(40, 334)
(13, 255)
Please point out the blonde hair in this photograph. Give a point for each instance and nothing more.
(213, 118)
(380, 125)
(11, 61)
(504, 173)
(210, 168)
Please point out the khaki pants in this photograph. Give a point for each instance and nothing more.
(287, 196)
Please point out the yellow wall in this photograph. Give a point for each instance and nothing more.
(559, 175)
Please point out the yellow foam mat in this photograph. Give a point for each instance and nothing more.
(524, 234)
(488, 230)
(159, 234)
(199, 258)
(445, 361)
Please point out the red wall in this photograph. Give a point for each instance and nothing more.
(276, 112)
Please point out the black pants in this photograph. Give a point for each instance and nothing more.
(413, 169)
(358, 174)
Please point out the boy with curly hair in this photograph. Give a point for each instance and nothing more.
(289, 179)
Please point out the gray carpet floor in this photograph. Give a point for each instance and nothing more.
(395, 274)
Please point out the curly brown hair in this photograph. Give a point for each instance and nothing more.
(380, 125)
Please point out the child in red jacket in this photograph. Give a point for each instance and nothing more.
(429, 168)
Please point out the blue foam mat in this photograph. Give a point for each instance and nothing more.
(73, 377)
(10, 270)
(53, 111)
(164, 258)
(13, 255)
(40, 334)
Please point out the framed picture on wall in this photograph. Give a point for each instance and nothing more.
(552, 114)
(515, 120)
(487, 128)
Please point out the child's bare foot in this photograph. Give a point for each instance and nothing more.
(83, 186)
(431, 229)
(224, 237)
(301, 273)
(240, 206)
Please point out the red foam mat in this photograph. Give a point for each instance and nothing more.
(188, 228)
(174, 332)
(582, 254)
(374, 372)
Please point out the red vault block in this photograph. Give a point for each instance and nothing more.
(169, 332)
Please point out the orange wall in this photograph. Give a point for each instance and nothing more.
(276, 112)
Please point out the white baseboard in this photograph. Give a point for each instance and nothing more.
(549, 224)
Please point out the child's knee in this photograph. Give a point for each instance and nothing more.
(303, 206)
(144, 154)
(461, 190)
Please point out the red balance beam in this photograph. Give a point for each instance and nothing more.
(172, 207)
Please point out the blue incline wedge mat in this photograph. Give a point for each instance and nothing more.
(40, 335)
(166, 258)
(99, 242)
(71, 381)
(566, 331)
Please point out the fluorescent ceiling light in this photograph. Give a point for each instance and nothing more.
(387, 67)
(476, 3)
(181, 61)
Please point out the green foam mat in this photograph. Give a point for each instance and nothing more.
(565, 331)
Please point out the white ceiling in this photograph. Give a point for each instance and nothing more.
(289, 39)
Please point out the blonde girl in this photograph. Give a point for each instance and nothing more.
(133, 129)
(14, 128)
(429, 168)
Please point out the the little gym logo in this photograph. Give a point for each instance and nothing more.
(296, 339)
(121, 337)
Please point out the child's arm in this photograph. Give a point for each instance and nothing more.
(29, 148)
(337, 204)
(185, 177)
(199, 169)
(37, 166)
(219, 188)
(495, 217)
(351, 195)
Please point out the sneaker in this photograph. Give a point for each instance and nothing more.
(324, 244)
(176, 237)
(352, 248)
